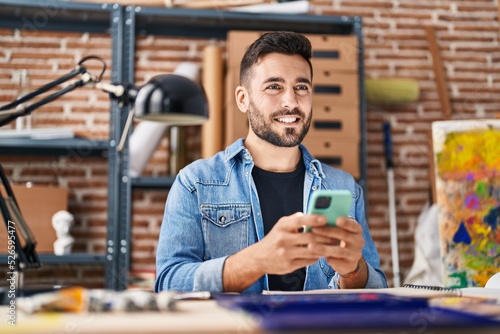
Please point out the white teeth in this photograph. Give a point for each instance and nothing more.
(287, 119)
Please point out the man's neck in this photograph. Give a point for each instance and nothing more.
(273, 158)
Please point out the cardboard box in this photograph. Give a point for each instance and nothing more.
(38, 204)
(334, 52)
(335, 80)
(334, 121)
(336, 87)
(236, 121)
(343, 154)
(237, 44)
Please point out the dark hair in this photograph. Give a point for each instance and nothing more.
(284, 42)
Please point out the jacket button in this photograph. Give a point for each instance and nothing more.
(222, 219)
(314, 187)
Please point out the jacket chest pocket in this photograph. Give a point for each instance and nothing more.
(225, 229)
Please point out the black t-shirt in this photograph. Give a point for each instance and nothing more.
(281, 194)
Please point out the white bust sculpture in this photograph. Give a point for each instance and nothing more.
(62, 222)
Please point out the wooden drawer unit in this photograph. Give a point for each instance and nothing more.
(343, 154)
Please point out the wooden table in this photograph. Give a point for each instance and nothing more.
(189, 317)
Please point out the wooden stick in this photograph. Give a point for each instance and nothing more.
(438, 72)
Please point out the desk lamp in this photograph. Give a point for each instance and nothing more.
(169, 98)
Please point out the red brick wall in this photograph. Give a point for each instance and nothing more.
(395, 46)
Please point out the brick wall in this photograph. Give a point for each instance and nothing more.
(395, 46)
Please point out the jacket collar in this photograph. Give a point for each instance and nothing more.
(238, 149)
(313, 165)
(235, 149)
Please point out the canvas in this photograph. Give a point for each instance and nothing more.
(467, 169)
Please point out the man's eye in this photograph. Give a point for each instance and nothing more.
(302, 90)
(273, 87)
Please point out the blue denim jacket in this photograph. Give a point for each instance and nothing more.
(213, 211)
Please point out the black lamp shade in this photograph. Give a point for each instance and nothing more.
(172, 99)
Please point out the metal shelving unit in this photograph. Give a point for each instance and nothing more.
(76, 258)
(124, 23)
(151, 182)
(70, 147)
(35, 15)
(75, 147)
(216, 23)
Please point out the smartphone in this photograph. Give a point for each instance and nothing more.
(331, 204)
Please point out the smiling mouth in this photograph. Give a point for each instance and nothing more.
(287, 119)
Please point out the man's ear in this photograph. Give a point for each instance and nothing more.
(242, 99)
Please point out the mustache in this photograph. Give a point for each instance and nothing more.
(286, 112)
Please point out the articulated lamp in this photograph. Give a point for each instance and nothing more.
(169, 98)
(173, 99)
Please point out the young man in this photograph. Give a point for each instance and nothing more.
(233, 222)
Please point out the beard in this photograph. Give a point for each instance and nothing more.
(262, 126)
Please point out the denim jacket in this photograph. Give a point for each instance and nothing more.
(213, 211)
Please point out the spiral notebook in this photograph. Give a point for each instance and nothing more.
(408, 290)
(489, 293)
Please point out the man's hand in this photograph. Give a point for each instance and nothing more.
(343, 251)
(284, 249)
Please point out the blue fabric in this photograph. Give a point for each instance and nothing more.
(213, 211)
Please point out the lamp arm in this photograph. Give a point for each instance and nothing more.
(16, 112)
(54, 96)
(78, 70)
(11, 111)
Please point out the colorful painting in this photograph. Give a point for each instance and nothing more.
(467, 168)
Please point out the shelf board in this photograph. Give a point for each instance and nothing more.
(151, 182)
(34, 15)
(76, 258)
(216, 23)
(73, 147)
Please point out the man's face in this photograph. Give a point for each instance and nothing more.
(278, 99)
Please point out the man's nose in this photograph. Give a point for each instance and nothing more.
(289, 99)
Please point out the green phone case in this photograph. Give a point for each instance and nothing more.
(339, 204)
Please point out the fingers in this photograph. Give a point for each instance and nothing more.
(341, 246)
(346, 229)
(344, 243)
(297, 221)
(349, 225)
(334, 251)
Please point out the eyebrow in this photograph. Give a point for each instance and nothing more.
(279, 79)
